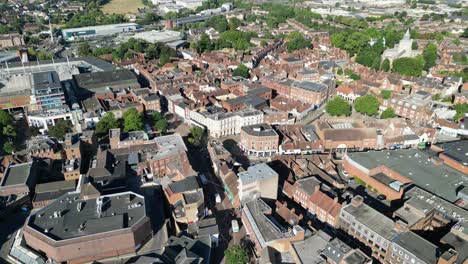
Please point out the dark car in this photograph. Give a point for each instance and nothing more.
(381, 197)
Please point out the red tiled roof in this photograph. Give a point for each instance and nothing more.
(326, 203)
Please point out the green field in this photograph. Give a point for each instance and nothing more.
(122, 7)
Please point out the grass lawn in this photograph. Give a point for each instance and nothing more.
(122, 7)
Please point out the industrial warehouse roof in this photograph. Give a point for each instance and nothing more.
(101, 27)
(94, 80)
(417, 166)
(260, 130)
(70, 216)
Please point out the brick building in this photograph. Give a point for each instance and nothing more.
(259, 140)
(85, 226)
(313, 93)
(11, 41)
(415, 107)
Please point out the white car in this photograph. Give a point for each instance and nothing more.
(217, 198)
(345, 173)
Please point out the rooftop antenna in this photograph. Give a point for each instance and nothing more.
(38, 64)
(53, 63)
(68, 62)
(8, 69)
(51, 32)
(24, 69)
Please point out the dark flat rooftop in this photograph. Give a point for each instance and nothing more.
(374, 220)
(456, 150)
(95, 80)
(260, 130)
(416, 165)
(70, 216)
(17, 174)
(418, 246)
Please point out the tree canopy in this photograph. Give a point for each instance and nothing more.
(236, 255)
(296, 41)
(408, 66)
(461, 109)
(107, 122)
(241, 71)
(133, 120)
(60, 128)
(338, 107)
(367, 104)
(388, 113)
(196, 135)
(7, 132)
(430, 56)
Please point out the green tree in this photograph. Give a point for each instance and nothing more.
(241, 71)
(414, 45)
(408, 66)
(465, 33)
(84, 49)
(388, 113)
(385, 65)
(60, 128)
(296, 41)
(236, 255)
(461, 109)
(5, 118)
(44, 55)
(9, 131)
(338, 107)
(196, 135)
(106, 122)
(263, 43)
(430, 55)
(204, 44)
(386, 94)
(161, 125)
(8, 147)
(356, 42)
(367, 104)
(234, 23)
(133, 120)
(156, 116)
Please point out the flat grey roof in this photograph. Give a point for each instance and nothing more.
(257, 172)
(311, 86)
(456, 150)
(416, 165)
(336, 249)
(45, 80)
(63, 219)
(309, 250)
(54, 186)
(260, 130)
(95, 80)
(419, 247)
(268, 230)
(371, 218)
(17, 174)
(308, 184)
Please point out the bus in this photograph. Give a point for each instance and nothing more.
(235, 226)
